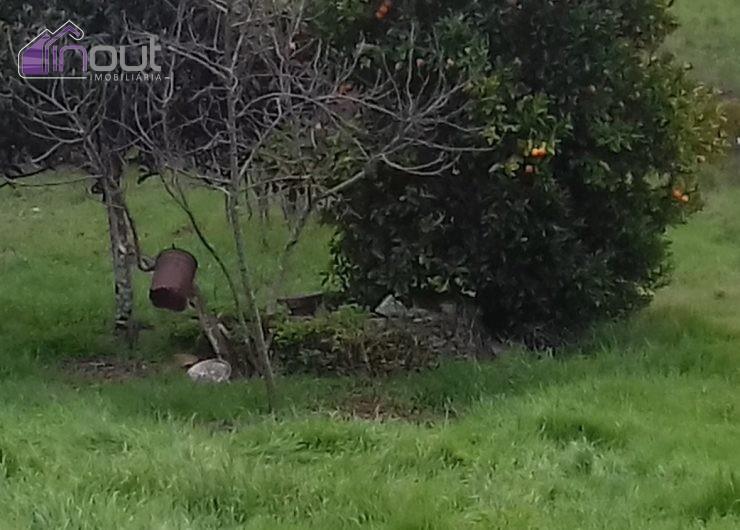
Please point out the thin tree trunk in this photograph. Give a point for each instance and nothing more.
(254, 315)
(209, 323)
(123, 254)
(233, 206)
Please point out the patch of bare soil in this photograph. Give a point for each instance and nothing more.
(109, 369)
(383, 409)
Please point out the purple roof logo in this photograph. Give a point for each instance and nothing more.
(49, 56)
(44, 57)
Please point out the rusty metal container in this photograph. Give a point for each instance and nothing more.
(303, 305)
(172, 284)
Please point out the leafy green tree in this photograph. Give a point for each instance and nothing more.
(591, 140)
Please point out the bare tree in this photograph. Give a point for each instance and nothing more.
(76, 121)
(255, 106)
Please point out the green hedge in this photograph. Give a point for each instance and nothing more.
(595, 135)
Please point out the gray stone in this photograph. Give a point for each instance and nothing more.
(210, 371)
(391, 307)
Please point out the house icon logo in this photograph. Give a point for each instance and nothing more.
(51, 54)
(44, 56)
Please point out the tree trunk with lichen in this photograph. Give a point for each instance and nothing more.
(123, 252)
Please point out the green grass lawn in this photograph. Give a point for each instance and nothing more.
(62, 292)
(638, 427)
(709, 39)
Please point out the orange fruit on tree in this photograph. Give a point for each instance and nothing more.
(539, 152)
(677, 194)
(384, 9)
(685, 198)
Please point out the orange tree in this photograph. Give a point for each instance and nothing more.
(591, 138)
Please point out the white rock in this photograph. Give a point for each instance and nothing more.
(210, 371)
(391, 307)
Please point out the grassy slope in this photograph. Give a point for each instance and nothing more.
(709, 40)
(48, 286)
(639, 429)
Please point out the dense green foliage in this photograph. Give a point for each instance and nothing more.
(551, 242)
(346, 343)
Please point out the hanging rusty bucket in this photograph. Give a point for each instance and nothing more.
(172, 284)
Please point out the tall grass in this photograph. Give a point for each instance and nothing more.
(636, 427)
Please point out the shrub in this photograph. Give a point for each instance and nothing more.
(546, 241)
(347, 343)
